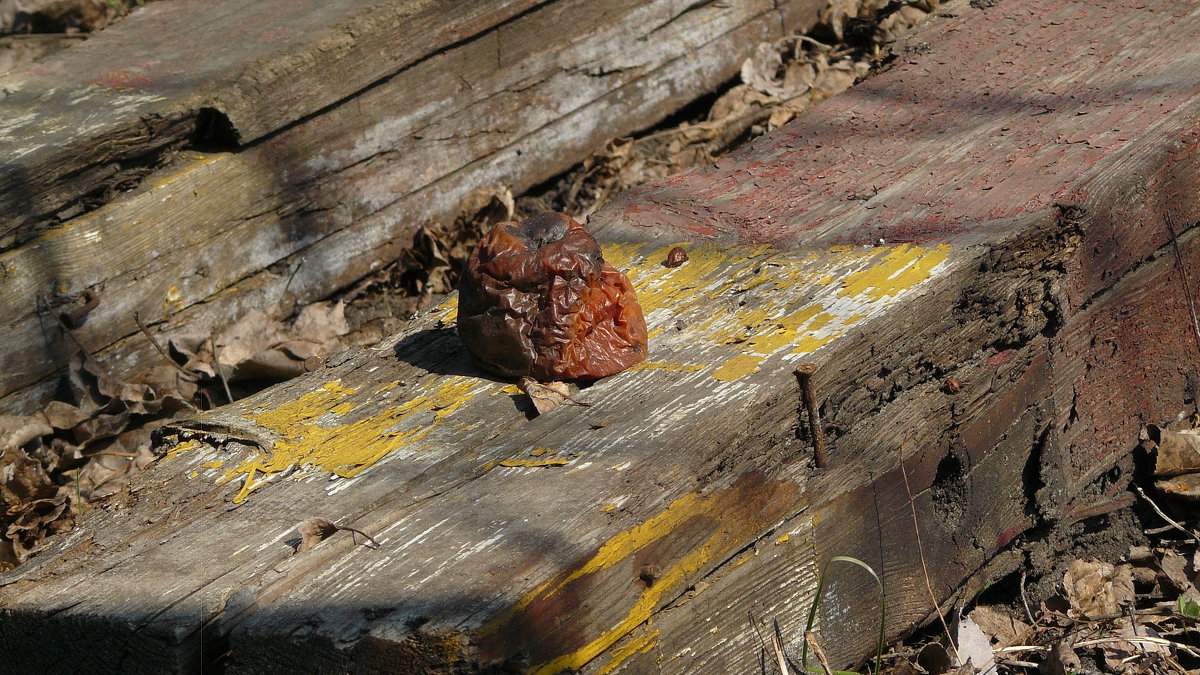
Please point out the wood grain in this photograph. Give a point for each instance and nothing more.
(687, 499)
(343, 190)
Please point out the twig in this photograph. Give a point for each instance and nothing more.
(811, 639)
(1018, 664)
(1021, 648)
(212, 346)
(1136, 640)
(358, 531)
(761, 639)
(189, 376)
(1187, 286)
(292, 276)
(804, 373)
(1025, 600)
(924, 570)
(46, 36)
(1164, 516)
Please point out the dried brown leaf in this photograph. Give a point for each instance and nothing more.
(1062, 660)
(545, 397)
(1185, 486)
(8, 556)
(1178, 451)
(62, 415)
(38, 520)
(17, 430)
(321, 322)
(313, 531)
(1118, 654)
(1098, 588)
(1003, 629)
(250, 335)
(22, 480)
(836, 13)
(1174, 567)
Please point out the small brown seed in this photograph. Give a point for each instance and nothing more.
(676, 257)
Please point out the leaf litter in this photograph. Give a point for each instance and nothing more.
(1138, 614)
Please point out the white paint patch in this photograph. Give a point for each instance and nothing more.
(421, 537)
(581, 467)
(340, 485)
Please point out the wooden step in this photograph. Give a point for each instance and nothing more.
(185, 178)
(983, 250)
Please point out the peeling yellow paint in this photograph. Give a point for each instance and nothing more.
(638, 645)
(535, 463)
(783, 538)
(450, 307)
(180, 448)
(213, 464)
(901, 268)
(347, 449)
(738, 367)
(627, 543)
(759, 302)
(607, 508)
(641, 611)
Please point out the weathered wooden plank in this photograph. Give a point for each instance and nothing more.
(342, 190)
(663, 527)
(680, 370)
(99, 116)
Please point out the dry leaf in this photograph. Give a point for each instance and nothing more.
(38, 520)
(1185, 486)
(1178, 451)
(545, 397)
(1063, 660)
(1119, 655)
(321, 322)
(1097, 588)
(313, 531)
(1004, 630)
(1174, 566)
(17, 430)
(836, 13)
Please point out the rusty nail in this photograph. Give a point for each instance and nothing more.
(804, 373)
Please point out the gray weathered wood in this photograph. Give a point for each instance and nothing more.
(216, 232)
(687, 499)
